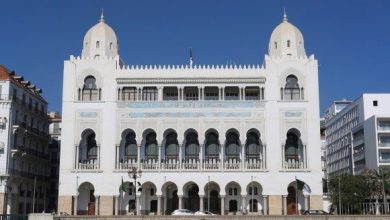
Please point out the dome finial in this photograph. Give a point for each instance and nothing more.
(284, 15)
(102, 17)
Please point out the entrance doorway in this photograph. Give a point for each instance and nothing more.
(291, 201)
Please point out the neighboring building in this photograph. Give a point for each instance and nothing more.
(358, 136)
(54, 152)
(219, 138)
(24, 139)
(326, 199)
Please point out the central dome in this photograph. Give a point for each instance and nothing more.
(100, 41)
(286, 40)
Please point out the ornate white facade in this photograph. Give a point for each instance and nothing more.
(206, 137)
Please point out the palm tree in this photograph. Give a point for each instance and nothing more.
(379, 177)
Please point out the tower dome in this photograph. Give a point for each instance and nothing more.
(286, 40)
(100, 41)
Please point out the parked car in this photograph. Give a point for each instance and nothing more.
(203, 213)
(182, 212)
(315, 212)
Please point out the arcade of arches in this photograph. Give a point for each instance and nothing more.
(232, 199)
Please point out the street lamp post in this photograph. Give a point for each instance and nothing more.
(135, 174)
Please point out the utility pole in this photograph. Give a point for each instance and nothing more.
(339, 197)
(35, 183)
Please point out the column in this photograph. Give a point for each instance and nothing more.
(97, 198)
(158, 205)
(159, 156)
(141, 93)
(222, 205)
(219, 93)
(201, 203)
(283, 160)
(285, 205)
(201, 155)
(139, 157)
(138, 205)
(98, 157)
(265, 205)
(306, 198)
(242, 155)
(243, 93)
(116, 206)
(117, 163)
(199, 93)
(243, 203)
(202, 93)
(180, 202)
(77, 158)
(180, 154)
(160, 93)
(240, 93)
(75, 205)
(223, 93)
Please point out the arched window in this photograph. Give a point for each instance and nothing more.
(212, 145)
(252, 148)
(291, 90)
(171, 145)
(291, 147)
(130, 145)
(151, 148)
(91, 147)
(192, 145)
(232, 145)
(90, 91)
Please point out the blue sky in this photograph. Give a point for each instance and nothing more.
(351, 39)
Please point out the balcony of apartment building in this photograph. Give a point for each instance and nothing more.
(384, 140)
(384, 156)
(383, 125)
(189, 154)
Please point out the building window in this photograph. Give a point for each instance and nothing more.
(149, 94)
(375, 103)
(288, 43)
(97, 44)
(276, 45)
(129, 93)
(292, 91)
(110, 45)
(90, 91)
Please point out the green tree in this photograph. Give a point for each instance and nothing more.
(379, 180)
(350, 190)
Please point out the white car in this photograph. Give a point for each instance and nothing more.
(203, 213)
(182, 212)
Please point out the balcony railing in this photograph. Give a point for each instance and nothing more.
(87, 162)
(90, 164)
(295, 162)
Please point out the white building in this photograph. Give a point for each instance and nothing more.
(24, 159)
(358, 136)
(206, 137)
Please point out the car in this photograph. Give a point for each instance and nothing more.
(182, 212)
(203, 213)
(315, 212)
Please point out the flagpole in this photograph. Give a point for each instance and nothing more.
(296, 195)
(120, 198)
